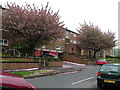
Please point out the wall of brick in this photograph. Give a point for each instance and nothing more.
(11, 66)
(73, 58)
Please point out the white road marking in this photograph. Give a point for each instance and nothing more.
(82, 80)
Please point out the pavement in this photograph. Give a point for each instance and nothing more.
(67, 67)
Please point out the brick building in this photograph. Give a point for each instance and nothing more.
(2, 42)
(6, 38)
(68, 48)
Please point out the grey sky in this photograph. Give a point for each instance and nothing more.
(103, 13)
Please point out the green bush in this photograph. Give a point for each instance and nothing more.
(107, 56)
(51, 59)
(117, 57)
(3, 54)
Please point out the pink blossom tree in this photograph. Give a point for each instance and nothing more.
(91, 37)
(32, 27)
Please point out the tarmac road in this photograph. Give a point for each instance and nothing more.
(77, 79)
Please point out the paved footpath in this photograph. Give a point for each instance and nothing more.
(69, 66)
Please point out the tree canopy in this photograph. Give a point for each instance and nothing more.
(91, 37)
(32, 27)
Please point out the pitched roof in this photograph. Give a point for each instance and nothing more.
(72, 31)
(2, 7)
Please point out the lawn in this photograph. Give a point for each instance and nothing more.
(25, 73)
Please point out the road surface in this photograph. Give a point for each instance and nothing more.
(80, 79)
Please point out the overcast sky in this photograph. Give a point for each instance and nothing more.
(103, 13)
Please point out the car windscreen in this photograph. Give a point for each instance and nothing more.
(110, 68)
(101, 60)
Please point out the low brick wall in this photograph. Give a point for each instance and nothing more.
(73, 58)
(19, 65)
(55, 64)
(22, 59)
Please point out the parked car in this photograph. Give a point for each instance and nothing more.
(9, 81)
(49, 55)
(109, 75)
(101, 62)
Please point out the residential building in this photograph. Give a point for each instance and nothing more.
(1, 41)
(67, 48)
(57, 47)
(118, 28)
(6, 39)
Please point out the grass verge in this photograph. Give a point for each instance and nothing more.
(25, 73)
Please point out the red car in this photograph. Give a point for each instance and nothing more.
(9, 81)
(101, 62)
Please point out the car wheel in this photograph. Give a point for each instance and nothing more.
(99, 85)
(5, 88)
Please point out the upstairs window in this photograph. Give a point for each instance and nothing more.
(74, 35)
(58, 47)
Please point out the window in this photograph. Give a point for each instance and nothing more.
(78, 42)
(113, 68)
(4, 42)
(67, 35)
(58, 47)
(89, 52)
(63, 39)
(71, 50)
(63, 47)
(67, 32)
(74, 35)
(59, 39)
(74, 42)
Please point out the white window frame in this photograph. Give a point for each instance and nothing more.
(63, 47)
(74, 35)
(68, 37)
(71, 41)
(67, 32)
(4, 42)
(74, 42)
(58, 47)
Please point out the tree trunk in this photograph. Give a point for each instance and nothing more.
(31, 50)
(94, 55)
